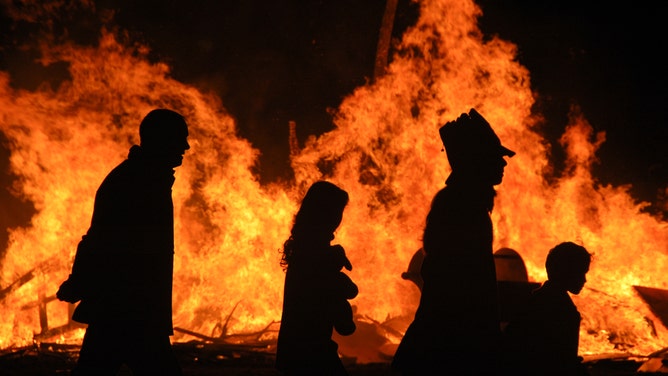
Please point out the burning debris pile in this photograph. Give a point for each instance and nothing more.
(384, 151)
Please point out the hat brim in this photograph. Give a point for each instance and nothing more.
(505, 151)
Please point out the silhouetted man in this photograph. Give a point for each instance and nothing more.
(122, 272)
(456, 327)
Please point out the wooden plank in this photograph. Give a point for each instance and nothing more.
(657, 300)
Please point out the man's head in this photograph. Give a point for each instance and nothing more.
(164, 136)
(566, 266)
(473, 149)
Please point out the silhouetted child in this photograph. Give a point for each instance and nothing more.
(316, 290)
(543, 340)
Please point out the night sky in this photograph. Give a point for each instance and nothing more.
(276, 61)
(605, 58)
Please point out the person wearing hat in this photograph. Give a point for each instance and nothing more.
(456, 328)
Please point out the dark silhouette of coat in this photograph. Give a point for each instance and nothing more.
(314, 303)
(125, 260)
(456, 329)
(122, 272)
(456, 326)
(544, 339)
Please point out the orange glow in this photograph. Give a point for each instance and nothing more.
(385, 151)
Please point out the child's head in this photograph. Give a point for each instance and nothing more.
(322, 206)
(566, 265)
(319, 215)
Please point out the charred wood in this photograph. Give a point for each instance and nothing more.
(16, 284)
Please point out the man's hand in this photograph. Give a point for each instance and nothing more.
(69, 291)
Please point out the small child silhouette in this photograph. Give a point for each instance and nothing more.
(316, 290)
(543, 340)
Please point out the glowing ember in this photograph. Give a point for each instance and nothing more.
(385, 151)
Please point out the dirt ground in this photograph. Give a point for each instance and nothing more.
(198, 361)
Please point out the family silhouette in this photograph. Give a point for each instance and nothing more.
(121, 276)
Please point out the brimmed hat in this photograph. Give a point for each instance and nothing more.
(470, 137)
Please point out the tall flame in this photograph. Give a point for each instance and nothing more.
(385, 151)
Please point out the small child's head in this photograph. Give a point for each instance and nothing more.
(566, 265)
(322, 206)
(319, 215)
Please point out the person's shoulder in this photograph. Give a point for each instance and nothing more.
(450, 205)
(123, 169)
(551, 299)
(121, 178)
(444, 197)
(443, 193)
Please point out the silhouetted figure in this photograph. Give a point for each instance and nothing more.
(543, 340)
(316, 291)
(456, 326)
(122, 272)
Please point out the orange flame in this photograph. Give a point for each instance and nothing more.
(385, 151)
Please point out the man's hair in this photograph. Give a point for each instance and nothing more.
(160, 125)
(567, 258)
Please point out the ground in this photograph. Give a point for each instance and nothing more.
(201, 360)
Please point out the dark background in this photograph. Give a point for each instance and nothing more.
(276, 61)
